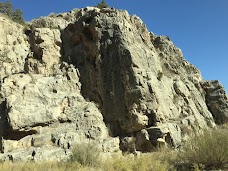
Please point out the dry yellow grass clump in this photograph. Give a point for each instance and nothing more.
(208, 150)
(47, 166)
(146, 162)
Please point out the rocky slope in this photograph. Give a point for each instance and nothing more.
(98, 76)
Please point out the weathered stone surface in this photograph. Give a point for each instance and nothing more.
(55, 21)
(38, 98)
(44, 153)
(217, 101)
(49, 111)
(14, 48)
(107, 67)
(46, 51)
(98, 75)
(144, 76)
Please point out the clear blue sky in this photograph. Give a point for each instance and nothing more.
(198, 27)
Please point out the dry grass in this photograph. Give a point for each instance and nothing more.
(146, 162)
(207, 151)
(48, 166)
(86, 155)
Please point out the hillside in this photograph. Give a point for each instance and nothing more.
(98, 76)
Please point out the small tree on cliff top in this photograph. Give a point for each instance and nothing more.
(7, 9)
(102, 4)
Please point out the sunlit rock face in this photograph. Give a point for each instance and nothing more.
(97, 76)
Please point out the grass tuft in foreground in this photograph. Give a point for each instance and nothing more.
(86, 155)
(207, 151)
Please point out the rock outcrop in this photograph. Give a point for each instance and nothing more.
(217, 101)
(98, 75)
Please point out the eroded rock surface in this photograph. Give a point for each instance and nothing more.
(14, 48)
(98, 75)
(217, 101)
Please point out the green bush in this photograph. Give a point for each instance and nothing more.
(7, 9)
(102, 4)
(86, 154)
(207, 151)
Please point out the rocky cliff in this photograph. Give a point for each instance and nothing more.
(97, 75)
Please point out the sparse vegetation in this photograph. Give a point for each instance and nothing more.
(6, 8)
(52, 15)
(39, 23)
(47, 166)
(102, 4)
(147, 162)
(43, 22)
(85, 154)
(185, 129)
(207, 151)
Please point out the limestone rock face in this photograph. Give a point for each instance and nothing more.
(98, 75)
(141, 81)
(217, 101)
(102, 45)
(43, 111)
(46, 47)
(56, 21)
(14, 48)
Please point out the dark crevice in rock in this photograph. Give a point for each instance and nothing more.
(28, 32)
(37, 52)
(152, 119)
(17, 135)
(10, 134)
(88, 32)
(16, 73)
(39, 40)
(42, 124)
(58, 43)
(89, 19)
(26, 65)
(61, 120)
(3, 118)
